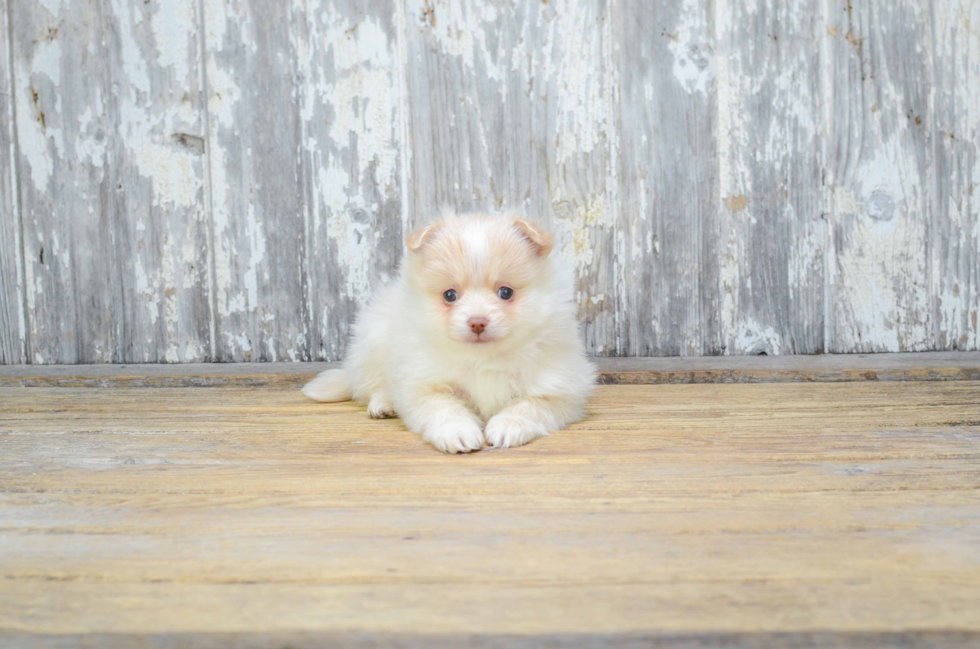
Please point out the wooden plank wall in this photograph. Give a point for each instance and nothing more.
(228, 180)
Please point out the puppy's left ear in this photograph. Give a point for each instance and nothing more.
(539, 239)
(416, 240)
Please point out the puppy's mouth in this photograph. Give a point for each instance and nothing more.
(480, 339)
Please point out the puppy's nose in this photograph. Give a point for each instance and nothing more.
(477, 325)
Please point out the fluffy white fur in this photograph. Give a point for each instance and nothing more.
(416, 355)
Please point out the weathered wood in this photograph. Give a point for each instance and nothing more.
(158, 168)
(353, 640)
(13, 329)
(700, 510)
(232, 180)
(72, 283)
(878, 175)
(304, 109)
(770, 233)
(924, 366)
(512, 106)
(352, 71)
(955, 201)
(258, 196)
(668, 170)
(109, 122)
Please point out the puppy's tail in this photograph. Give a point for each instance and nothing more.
(328, 386)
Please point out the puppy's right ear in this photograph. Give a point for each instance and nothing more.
(418, 239)
(540, 240)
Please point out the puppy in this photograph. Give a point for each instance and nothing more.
(474, 344)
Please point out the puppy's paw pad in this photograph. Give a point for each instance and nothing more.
(460, 436)
(505, 431)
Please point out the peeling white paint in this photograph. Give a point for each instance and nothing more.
(461, 29)
(694, 60)
(35, 137)
(363, 96)
(255, 239)
(237, 341)
(362, 93)
(753, 338)
(583, 90)
(169, 22)
(729, 126)
(146, 291)
(404, 128)
(577, 227)
(888, 287)
(880, 289)
(224, 96)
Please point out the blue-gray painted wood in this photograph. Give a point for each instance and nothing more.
(229, 180)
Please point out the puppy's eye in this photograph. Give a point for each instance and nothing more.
(505, 292)
(450, 296)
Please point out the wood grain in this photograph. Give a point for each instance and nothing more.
(351, 88)
(770, 233)
(697, 511)
(668, 168)
(111, 181)
(60, 76)
(352, 640)
(258, 187)
(156, 165)
(955, 205)
(878, 170)
(13, 334)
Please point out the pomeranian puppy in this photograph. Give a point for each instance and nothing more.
(475, 343)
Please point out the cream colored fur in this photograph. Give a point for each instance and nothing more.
(417, 356)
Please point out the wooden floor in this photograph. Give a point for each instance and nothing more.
(680, 515)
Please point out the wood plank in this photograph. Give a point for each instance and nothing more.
(878, 163)
(351, 74)
(811, 640)
(689, 512)
(924, 366)
(954, 204)
(512, 107)
(112, 181)
(258, 187)
(770, 236)
(668, 168)
(64, 183)
(303, 231)
(13, 343)
(157, 162)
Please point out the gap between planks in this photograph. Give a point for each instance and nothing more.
(830, 368)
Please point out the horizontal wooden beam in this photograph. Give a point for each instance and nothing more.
(926, 366)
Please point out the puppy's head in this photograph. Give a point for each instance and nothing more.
(479, 277)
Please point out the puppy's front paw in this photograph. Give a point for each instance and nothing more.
(458, 435)
(506, 429)
(379, 407)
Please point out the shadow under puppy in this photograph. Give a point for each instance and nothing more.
(475, 343)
